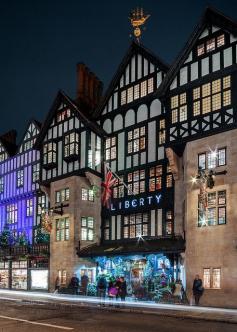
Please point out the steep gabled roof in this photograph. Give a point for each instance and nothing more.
(210, 15)
(61, 96)
(9, 144)
(37, 125)
(134, 47)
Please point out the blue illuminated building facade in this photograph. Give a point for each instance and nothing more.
(20, 200)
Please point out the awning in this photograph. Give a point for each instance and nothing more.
(162, 245)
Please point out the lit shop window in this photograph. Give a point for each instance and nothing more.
(169, 223)
(135, 225)
(62, 274)
(62, 229)
(87, 229)
(118, 188)
(169, 178)
(179, 108)
(212, 159)
(106, 230)
(212, 278)
(212, 96)
(89, 158)
(137, 91)
(71, 146)
(110, 148)
(11, 210)
(1, 184)
(162, 133)
(62, 195)
(97, 151)
(211, 44)
(35, 172)
(87, 194)
(63, 115)
(41, 204)
(20, 178)
(3, 155)
(49, 153)
(215, 213)
(137, 140)
(155, 180)
(29, 207)
(207, 278)
(136, 182)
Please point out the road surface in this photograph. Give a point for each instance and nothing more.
(32, 317)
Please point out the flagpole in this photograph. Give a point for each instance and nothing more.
(117, 176)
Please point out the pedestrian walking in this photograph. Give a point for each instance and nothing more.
(57, 285)
(84, 284)
(74, 284)
(101, 288)
(197, 289)
(112, 290)
(123, 289)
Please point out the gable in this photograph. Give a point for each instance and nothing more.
(29, 138)
(139, 74)
(211, 47)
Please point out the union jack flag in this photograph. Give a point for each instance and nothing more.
(107, 186)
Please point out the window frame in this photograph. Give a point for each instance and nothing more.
(134, 142)
(62, 229)
(86, 229)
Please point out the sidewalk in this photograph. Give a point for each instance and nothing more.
(172, 310)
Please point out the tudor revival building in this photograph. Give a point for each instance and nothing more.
(156, 127)
(21, 203)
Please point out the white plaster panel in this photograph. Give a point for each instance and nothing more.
(183, 75)
(155, 108)
(118, 227)
(118, 122)
(216, 61)
(161, 153)
(194, 71)
(152, 141)
(107, 126)
(83, 149)
(142, 113)
(205, 66)
(120, 156)
(130, 118)
(228, 57)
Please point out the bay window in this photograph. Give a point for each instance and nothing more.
(71, 147)
(49, 153)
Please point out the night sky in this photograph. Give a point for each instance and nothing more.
(42, 40)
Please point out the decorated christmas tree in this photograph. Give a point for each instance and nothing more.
(6, 237)
(41, 235)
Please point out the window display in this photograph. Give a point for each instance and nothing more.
(19, 278)
(39, 279)
(4, 278)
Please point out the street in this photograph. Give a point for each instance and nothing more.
(24, 317)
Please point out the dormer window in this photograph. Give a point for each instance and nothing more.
(71, 147)
(49, 155)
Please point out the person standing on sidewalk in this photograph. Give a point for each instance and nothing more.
(123, 289)
(101, 289)
(57, 285)
(197, 289)
(74, 284)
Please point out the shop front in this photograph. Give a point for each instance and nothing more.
(144, 274)
(149, 267)
(24, 274)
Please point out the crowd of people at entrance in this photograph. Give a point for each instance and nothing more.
(116, 288)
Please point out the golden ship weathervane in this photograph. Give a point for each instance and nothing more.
(138, 19)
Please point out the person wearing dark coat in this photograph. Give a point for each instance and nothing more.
(123, 289)
(197, 289)
(74, 284)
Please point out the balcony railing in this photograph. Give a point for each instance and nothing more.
(41, 249)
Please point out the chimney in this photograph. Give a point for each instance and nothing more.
(10, 137)
(89, 89)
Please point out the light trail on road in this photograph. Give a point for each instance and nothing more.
(24, 295)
